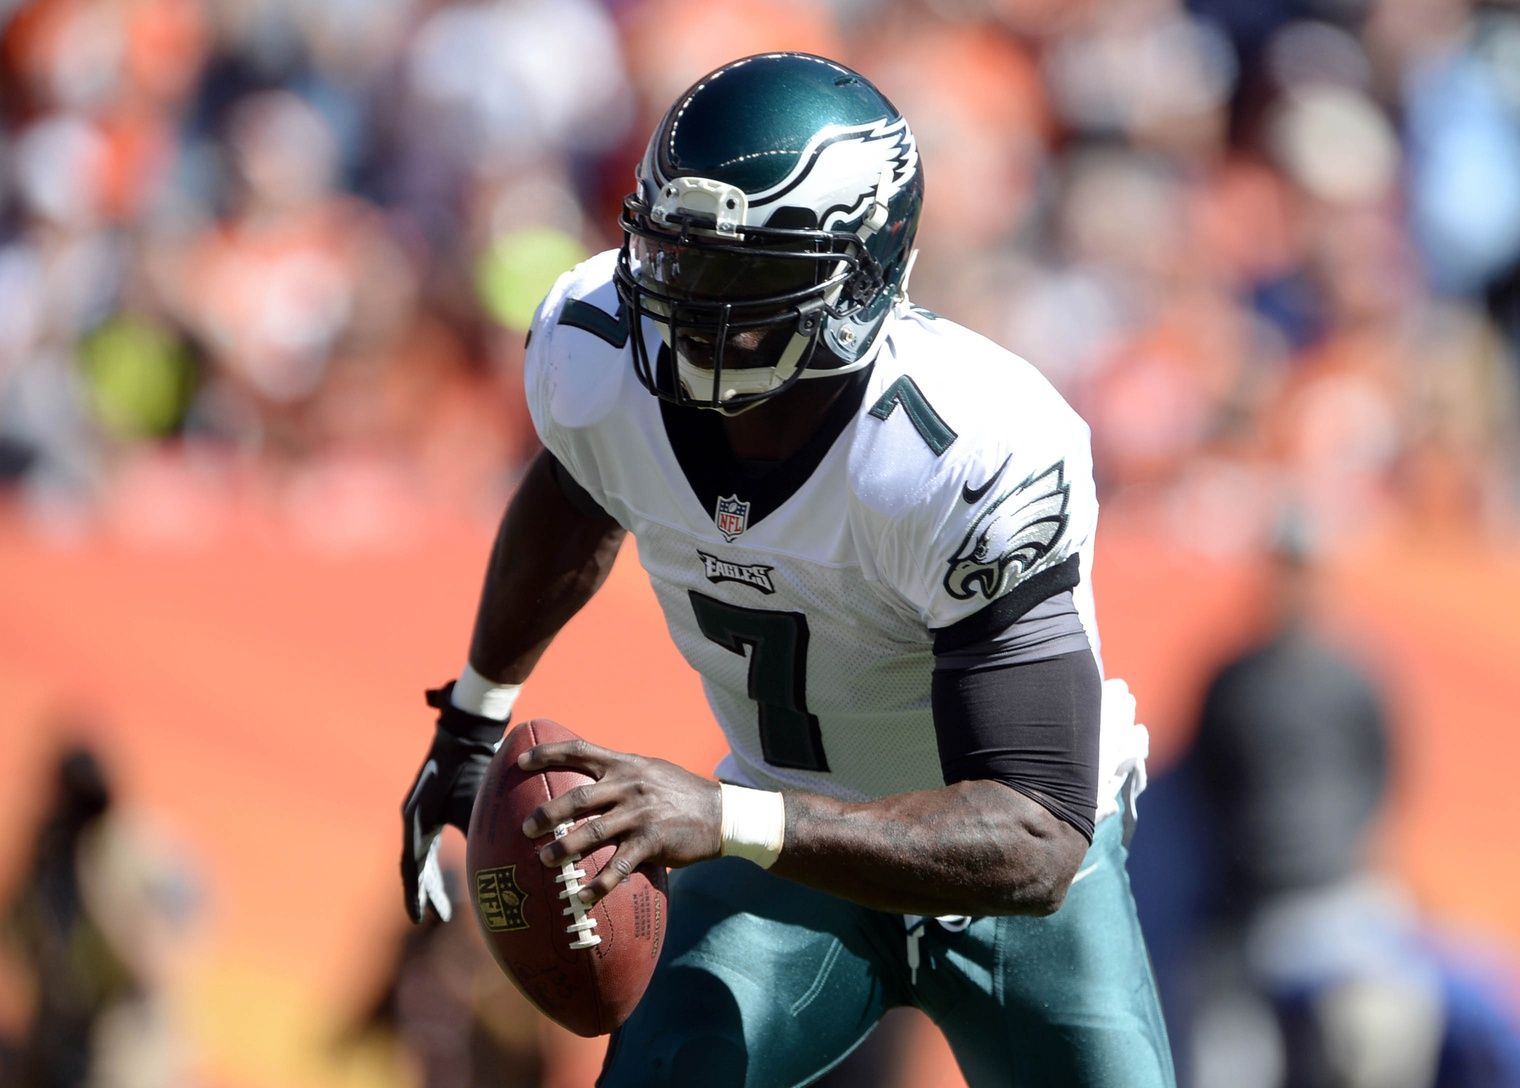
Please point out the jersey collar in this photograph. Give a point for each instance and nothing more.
(713, 472)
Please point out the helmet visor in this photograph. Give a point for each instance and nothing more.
(741, 315)
(724, 308)
(745, 279)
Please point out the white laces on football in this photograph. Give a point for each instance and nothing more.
(571, 875)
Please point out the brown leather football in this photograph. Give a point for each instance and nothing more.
(584, 968)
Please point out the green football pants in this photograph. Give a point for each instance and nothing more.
(765, 983)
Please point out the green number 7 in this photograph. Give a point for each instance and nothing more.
(776, 644)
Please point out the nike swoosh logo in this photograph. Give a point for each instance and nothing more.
(973, 495)
(1085, 872)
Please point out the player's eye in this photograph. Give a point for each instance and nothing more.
(721, 274)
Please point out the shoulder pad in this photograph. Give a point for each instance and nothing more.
(576, 351)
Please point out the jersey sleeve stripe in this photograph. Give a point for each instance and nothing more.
(1001, 613)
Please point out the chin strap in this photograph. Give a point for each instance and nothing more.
(902, 284)
(741, 381)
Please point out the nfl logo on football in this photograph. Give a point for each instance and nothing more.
(732, 517)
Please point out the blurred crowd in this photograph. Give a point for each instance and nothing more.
(284, 252)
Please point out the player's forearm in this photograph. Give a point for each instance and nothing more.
(973, 848)
(549, 559)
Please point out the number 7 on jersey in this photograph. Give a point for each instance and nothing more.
(776, 644)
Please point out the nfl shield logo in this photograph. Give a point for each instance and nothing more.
(732, 517)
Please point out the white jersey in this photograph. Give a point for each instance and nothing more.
(809, 600)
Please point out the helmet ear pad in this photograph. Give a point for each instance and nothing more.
(861, 305)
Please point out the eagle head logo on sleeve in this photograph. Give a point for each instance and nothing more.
(1011, 536)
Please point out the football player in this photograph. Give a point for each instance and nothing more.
(871, 533)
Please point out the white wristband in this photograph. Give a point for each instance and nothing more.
(477, 695)
(754, 824)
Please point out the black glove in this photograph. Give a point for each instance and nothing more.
(443, 793)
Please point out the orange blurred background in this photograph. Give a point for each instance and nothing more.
(261, 699)
(266, 269)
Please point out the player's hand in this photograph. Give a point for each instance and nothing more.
(442, 793)
(655, 811)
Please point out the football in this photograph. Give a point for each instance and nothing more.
(585, 968)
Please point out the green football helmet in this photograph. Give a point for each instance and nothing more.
(771, 231)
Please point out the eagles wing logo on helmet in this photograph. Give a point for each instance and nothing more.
(829, 172)
(1011, 536)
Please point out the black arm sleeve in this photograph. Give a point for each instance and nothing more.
(1032, 726)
